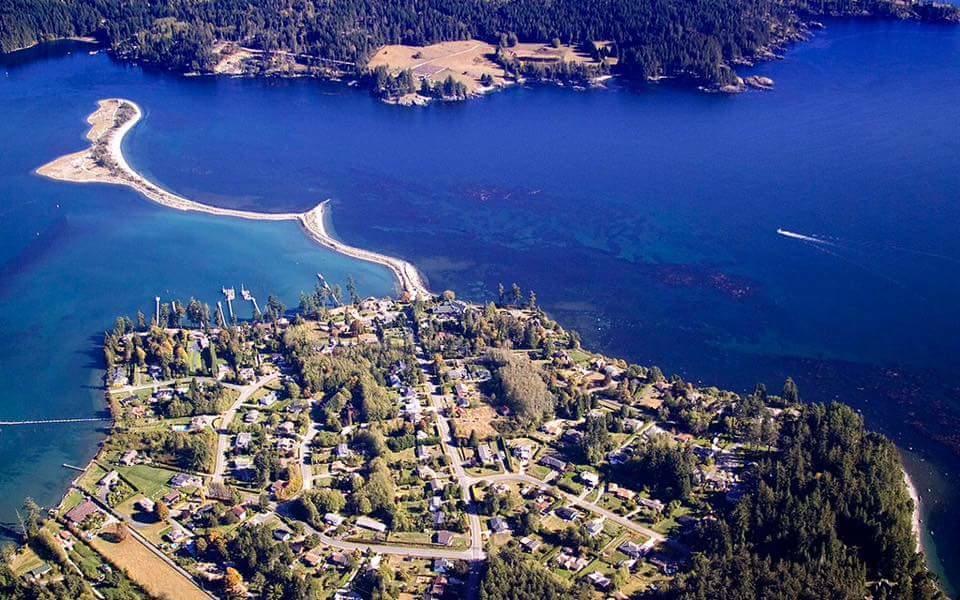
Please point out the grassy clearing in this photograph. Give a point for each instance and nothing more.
(149, 481)
(147, 569)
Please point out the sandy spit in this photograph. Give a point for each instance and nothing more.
(104, 162)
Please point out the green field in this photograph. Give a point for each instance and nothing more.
(149, 481)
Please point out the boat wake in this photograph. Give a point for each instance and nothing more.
(805, 238)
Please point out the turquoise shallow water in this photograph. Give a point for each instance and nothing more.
(646, 218)
(73, 257)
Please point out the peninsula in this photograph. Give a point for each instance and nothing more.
(103, 162)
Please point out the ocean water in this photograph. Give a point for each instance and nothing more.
(646, 217)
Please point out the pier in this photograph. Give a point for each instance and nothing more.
(326, 286)
(246, 295)
(230, 294)
(222, 320)
(55, 421)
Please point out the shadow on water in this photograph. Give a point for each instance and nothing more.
(45, 243)
(45, 51)
(93, 353)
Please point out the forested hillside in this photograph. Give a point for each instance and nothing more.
(827, 516)
(693, 39)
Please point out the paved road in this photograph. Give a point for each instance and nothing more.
(576, 501)
(223, 436)
(396, 549)
(446, 442)
(306, 471)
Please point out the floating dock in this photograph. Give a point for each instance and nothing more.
(230, 294)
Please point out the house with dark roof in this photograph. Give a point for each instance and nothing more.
(79, 514)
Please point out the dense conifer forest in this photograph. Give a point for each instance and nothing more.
(696, 40)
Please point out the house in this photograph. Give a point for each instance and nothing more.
(176, 535)
(423, 453)
(183, 480)
(463, 395)
(109, 480)
(282, 535)
(343, 451)
(435, 503)
(277, 488)
(543, 503)
(333, 519)
(567, 514)
(286, 446)
(145, 504)
(499, 525)
(220, 492)
(666, 566)
(554, 427)
(312, 558)
(625, 494)
(223, 371)
(632, 549)
(287, 428)
(484, 454)
(371, 524)
(40, 571)
(554, 463)
(438, 588)
(172, 498)
(523, 452)
(445, 538)
(128, 458)
(268, 400)
(442, 565)
(590, 478)
(251, 416)
(243, 441)
(79, 514)
(599, 580)
(198, 424)
(341, 559)
(570, 562)
(652, 504)
(240, 512)
(529, 544)
(595, 527)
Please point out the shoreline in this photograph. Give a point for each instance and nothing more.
(85, 39)
(104, 162)
(915, 517)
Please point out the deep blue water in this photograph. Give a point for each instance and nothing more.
(646, 218)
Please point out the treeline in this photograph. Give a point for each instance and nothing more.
(826, 516)
(387, 85)
(693, 39)
(510, 576)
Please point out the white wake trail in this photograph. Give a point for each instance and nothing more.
(805, 238)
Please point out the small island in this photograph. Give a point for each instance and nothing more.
(430, 447)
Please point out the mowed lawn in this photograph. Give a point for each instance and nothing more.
(148, 569)
(149, 481)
